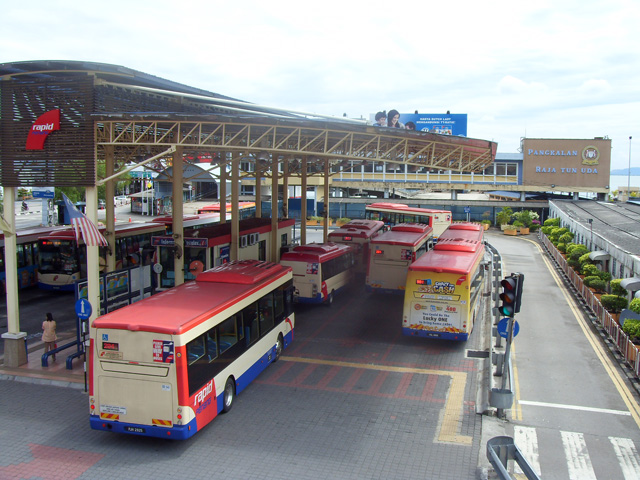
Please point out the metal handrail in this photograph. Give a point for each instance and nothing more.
(502, 449)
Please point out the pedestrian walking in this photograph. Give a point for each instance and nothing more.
(49, 336)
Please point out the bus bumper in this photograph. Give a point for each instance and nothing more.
(392, 291)
(66, 288)
(316, 299)
(458, 336)
(176, 432)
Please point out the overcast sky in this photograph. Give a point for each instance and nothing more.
(541, 69)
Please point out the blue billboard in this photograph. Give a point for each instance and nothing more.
(443, 123)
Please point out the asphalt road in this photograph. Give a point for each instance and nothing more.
(352, 398)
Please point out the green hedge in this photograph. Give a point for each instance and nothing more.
(635, 305)
(631, 327)
(614, 303)
(596, 283)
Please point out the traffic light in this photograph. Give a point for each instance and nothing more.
(511, 295)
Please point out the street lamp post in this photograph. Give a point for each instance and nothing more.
(629, 173)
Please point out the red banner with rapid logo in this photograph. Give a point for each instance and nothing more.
(41, 128)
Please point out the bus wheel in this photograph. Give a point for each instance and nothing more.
(329, 300)
(279, 347)
(229, 395)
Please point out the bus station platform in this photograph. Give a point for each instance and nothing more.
(55, 373)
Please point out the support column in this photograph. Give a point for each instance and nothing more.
(325, 228)
(275, 244)
(222, 188)
(285, 188)
(454, 194)
(258, 191)
(235, 224)
(109, 234)
(15, 353)
(177, 217)
(303, 202)
(93, 255)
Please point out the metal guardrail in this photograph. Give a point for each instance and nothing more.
(502, 449)
(629, 351)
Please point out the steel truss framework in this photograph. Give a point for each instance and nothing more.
(262, 141)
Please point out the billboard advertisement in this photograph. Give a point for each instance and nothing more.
(442, 123)
(566, 162)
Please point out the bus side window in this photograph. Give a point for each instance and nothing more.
(212, 345)
(195, 349)
(288, 298)
(228, 333)
(279, 303)
(266, 313)
(250, 318)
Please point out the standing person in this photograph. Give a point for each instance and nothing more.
(393, 119)
(381, 119)
(49, 336)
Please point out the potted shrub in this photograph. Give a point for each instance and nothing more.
(504, 216)
(614, 304)
(616, 289)
(525, 218)
(632, 329)
(486, 224)
(535, 225)
(596, 283)
(342, 221)
(634, 305)
(509, 229)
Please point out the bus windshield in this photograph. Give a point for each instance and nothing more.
(58, 256)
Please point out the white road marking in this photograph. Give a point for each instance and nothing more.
(526, 440)
(627, 457)
(574, 407)
(578, 461)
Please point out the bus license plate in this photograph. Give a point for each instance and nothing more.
(134, 429)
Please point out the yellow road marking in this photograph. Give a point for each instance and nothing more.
(452, 416)
(517, 411)
(606, 362)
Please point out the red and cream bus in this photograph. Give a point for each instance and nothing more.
(62, 261)
(395, 213)
(319, 270)
(391, 254)
(169, 364)
(444, 286)
(359, 234)
(189, 221)
(245, 209)
(27, 255)
(461, 232)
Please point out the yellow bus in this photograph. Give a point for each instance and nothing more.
(443, 289)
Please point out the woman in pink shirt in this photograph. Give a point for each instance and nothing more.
(49, 334)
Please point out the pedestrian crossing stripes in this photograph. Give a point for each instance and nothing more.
(579, 459)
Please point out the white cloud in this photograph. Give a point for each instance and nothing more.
(542, 69)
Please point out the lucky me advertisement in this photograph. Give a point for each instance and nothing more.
(437, 305)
